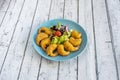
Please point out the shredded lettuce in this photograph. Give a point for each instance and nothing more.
(58, 25)
(55, 40)
(61, 39)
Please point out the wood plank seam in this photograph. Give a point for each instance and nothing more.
(5, 13)
(49, 10)
(39, 68)
(12, 37)
(111, 36)
(65, 67)
(64, 9)
(42, 57)
(59, 61)
(77, 22)
(27, 39)
(96, 65)
(58, 70)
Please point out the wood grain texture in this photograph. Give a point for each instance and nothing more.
(49, 69)
(32, 60)
(16, 51)
(104, 52)
(86, 61)
(8, 27)
(99, 61)
(4, 6)
(113, 10)
(68, 69)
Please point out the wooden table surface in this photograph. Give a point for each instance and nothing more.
(100, 19)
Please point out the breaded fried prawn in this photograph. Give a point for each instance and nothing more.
(50, 50)
(75, 42)
(45, 30)
(61, 50)
(45, 43)
(40, 36)
(68, 46)
(76, 34)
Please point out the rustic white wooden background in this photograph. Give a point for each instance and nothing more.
(100, 19)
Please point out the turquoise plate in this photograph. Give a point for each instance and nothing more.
(71, 25)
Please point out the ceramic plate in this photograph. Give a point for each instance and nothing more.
(71, 25)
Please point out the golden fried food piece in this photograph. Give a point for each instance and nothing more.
(76, 34)
(45, 43)
(40, 36)
(50, 49)
(61, 50)
(45, 30)
(75, 42)
(68, 46)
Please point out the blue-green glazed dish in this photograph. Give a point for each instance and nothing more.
(71, 25)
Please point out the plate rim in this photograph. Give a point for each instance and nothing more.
(38, 26)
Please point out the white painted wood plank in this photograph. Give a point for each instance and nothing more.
(114, 17)
(86, 61)
(7, 28)
(56, 9)
(8, 5)
(4, 5)
(17, 47)
(30, 67)
(71, 10)
(68, 69)
(82, 59)
(49, 69)
(1, 3)
(105, 59)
